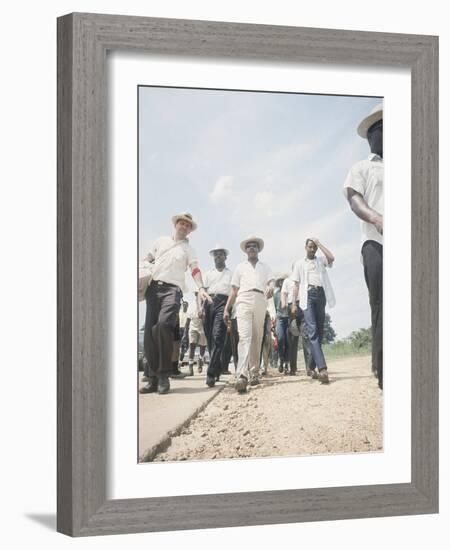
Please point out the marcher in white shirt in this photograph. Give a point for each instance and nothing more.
(194, 326)
(252, 283)
(363, 189)
(309, 274)
(172, 256)
(218, 284)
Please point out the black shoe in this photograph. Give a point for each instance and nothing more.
(293, 372)
(151, 387)
(163, 385)
(280, 369)
(210, 381)
(286, 369)
(254, 382)
(313, 374)
(178, 374)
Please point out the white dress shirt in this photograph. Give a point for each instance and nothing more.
(192, 314)
(171, 266)
(288, 288)
(246, 277)
(366, 177)
(301, 275)
(218, 282)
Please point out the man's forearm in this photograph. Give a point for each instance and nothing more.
(295, 292)
(328, 255)
(363, 210)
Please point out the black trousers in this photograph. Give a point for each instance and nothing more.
(372, 253)
(215, 331)
(161, 318)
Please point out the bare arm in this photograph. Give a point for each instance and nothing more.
(229, 304)
(269, 289)
(328, 255)
(360, 207)
(197, 276)
(295, 298)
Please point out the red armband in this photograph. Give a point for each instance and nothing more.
(195, 271)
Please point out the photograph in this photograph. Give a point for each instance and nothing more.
(260, 277)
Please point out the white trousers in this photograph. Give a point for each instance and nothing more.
(250, 314)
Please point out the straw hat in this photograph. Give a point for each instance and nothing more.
(252, 238)
(219, 247)
(185, 216)
(375, 115)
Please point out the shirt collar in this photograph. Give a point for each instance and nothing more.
(374, 156)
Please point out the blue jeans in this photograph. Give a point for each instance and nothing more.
(281, 328)
(314, 323)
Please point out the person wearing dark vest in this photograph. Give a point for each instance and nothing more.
(363, 190)
(172, 256)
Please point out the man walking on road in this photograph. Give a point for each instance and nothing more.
(172, 256)
(363, 189)
(252, 283)
(218, 285)
(315, 292)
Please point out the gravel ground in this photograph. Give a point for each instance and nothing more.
(288, 416)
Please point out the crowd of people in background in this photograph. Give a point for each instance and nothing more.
(249, 314)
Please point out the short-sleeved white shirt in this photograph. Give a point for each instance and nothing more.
(171, 266)
(247, 277)
(192, 314)
(366, 177)
(218, 282)
(288, 288)
(301, 275)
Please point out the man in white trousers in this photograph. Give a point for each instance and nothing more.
(251, 285)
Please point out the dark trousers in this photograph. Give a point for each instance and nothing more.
(372, 253)
(227, 352)
(215, 331)
(234, 339)
(281, 328)
(314, 324)
(161, 317)
(293, 342)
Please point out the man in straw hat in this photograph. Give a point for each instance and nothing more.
(172, 256)
(252, 283)
(363, 189)
(218, 284)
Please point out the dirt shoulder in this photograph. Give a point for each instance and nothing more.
(288, 416)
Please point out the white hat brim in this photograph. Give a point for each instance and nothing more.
(184, 218)
(367, 122)
(251, 239)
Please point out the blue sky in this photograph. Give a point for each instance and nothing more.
(269, 164)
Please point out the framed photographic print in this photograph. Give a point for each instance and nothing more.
(246, 138)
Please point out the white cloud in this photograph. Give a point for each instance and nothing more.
(263, 201)
(223, 189)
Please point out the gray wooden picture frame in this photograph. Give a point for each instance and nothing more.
(83, 41)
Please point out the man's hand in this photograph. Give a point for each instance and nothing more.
(316, 241)
(204, 296)
(294, 311)
(269, 292)
(226, 318)
(378, 223)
